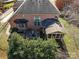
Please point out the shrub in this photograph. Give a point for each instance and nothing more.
(62, 16)
(20, 48)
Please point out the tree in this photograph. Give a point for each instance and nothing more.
(20, 48)
(71, 11)
(15, 0)
(59, 4)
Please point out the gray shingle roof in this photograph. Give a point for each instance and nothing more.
(37, 6)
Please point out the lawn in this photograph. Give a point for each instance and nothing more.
(3, 43)
(9, 5)
(71, 38)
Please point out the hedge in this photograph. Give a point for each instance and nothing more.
(20, 48)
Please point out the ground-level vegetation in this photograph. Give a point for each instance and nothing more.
(71, 39)
(20, 48)
(3, 42)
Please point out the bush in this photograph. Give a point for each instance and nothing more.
(20, 48)
(62, 16)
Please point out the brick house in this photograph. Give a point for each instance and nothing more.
(33, 14)
(32, 9)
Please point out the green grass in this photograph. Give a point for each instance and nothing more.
(3, 43)
(3, 39)
(72, 31)
(8, 5)
(71, 38)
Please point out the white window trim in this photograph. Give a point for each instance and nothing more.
(19, 27)
(36, 18)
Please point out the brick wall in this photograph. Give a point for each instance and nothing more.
(30, 18)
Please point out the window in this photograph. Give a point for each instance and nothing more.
(37, 21)
(20, 26)
(21, 23)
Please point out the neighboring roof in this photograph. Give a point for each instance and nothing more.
(54, 28)
(37, 6)
(18, 21)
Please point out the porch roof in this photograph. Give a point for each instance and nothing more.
(54, 28)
